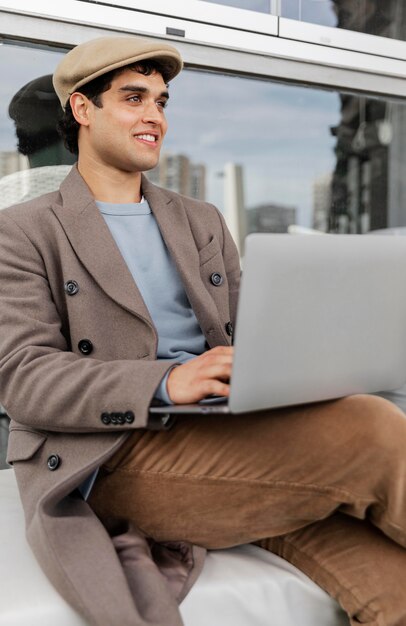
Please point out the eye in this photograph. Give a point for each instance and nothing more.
(134, 98)
(162, 103)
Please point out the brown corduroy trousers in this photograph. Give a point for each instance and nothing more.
(322, 485)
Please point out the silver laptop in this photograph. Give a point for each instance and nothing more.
(318, 318)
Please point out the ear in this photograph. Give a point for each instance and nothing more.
(80, 108)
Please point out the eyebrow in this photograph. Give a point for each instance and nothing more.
(140, 89)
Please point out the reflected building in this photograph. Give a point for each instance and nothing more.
(234, 204)
(270, 218)
(198, 181)
(361, 180)
(373, 16)
(368, 189)
(12, 161)
(177, 173)
(321, 202)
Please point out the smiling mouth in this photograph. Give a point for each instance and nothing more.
(147, 137)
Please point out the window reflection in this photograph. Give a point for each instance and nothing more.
(269, 155)
(263, 6)
(322, 12)
(291, 154)
(33, 159)
(373, 17)
(35, 110)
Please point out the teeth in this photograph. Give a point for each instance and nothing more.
(147, 137)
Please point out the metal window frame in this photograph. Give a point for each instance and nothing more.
(269, 24)
(210, 47)
(201, 12)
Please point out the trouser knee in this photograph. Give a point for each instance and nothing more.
(376, 424)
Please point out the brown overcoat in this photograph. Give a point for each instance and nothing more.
(56, 395)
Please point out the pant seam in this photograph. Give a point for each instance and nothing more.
(278, 484)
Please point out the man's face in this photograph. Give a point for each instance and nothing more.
(127, 132)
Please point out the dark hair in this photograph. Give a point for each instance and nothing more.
(31, 142)
(68, 127)
(35, 110)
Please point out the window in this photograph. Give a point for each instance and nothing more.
(290, 154)
(33, 159)
(263, 6)
(387, 19)
(279, 154)
(373, 17)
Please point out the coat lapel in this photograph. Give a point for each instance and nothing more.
(91, 239)
(173, 223)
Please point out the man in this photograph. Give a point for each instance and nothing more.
(107, 302)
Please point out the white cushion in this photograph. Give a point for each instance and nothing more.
(243, 586)
(27, 184)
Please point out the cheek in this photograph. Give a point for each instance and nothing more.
(113, 131)
(123, 122)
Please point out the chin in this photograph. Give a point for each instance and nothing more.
(148, 166)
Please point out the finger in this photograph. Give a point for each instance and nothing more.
(217, 359)
(221, 350)
(221, 371)
(215, 387)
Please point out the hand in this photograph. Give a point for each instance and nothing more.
(206, 374)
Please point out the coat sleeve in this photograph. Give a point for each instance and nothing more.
(42, 383)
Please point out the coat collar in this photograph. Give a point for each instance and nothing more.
(91, 239)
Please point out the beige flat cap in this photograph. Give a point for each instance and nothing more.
(99, 56)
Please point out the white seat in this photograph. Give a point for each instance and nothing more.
(27, 184)
(243, 586)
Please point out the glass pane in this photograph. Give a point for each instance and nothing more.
(374, 17)
(387, 19)
(33, 159)
(321, 12)
(289, 156)
(262, 6)
(271, 156)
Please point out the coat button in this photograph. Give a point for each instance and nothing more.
(71, 287)
(120, 418)
(105, 418)
(129, 417)
(216, 279)
(53, 462)
(229, 329)
(85, 346)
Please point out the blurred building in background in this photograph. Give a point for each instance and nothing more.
(177, 173)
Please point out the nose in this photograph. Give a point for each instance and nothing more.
(152, 114)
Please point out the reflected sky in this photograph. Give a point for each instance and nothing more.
(280, 134)
(252, 5)
(314, 11)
